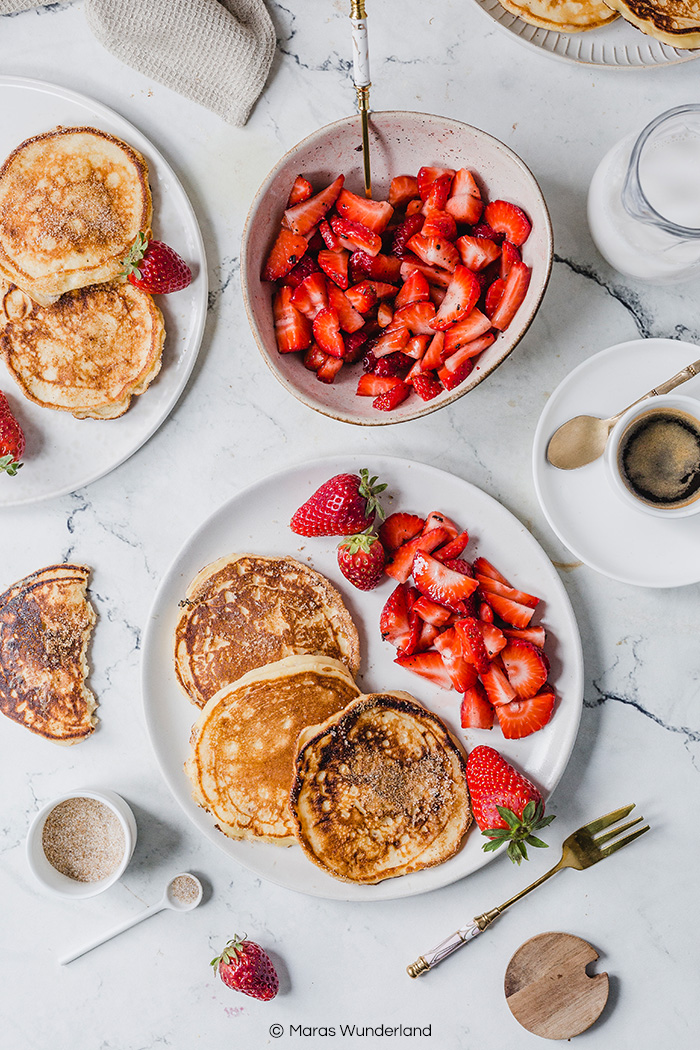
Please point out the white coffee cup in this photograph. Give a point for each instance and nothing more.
(651, 448)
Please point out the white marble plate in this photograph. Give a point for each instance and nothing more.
(257, 520)
(618, 45)
(581, 505)
(64, 454)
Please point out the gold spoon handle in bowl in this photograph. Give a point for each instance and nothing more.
(360, 61)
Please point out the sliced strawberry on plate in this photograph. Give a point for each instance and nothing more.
(426, 386)
(355, 236)
(438, 192)
(439, 582)
(467, 330)
(292, 329)
(433, 613)
(417, 317)
(401, 564)
(385, 315)
(435, 251)
(329, 238)
(403, 188)
(509, 255)
(509, 219)
(428, 665)
(477, 252)
(434, 354)
(494, 294)
(355, 343)
(303, 269)
(427, 176)
(460, 299)
(513, 613)
(435, 277)
(437, 520)
(384, 290)
(475, 711)
(394, 623)
(392, 398)
(301, 191)
(370, 385)
(494, 639)
(329, 369)
(362, 296)
(335, 265)
(311, 296)
(415, 289)
(396, 364)
(462, 673)
(378, 267)
(302, 217)
(465, 202)
(350, 319)
(284, 255)
(514, 291)
(489, 586)
(454, 548)
(483, 567)
(472, 640)
(326, 328)
(439, 224)
(525, 667)
(314, 358)
(486, 613)
(495, 682)
(536, 635)
(451, 378)
(374, 215)
(410, 226)
(398, 529)
(428, 634)
(522, 717)
(416, 346)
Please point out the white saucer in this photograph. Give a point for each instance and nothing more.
(581, 505)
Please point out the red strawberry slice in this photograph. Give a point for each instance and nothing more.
(284, 255)
(335, 265)
(355, 343)
(435, 277)
(392, 398)
(452, 379)
(401, 565)
(465, 202)
(536, 635)
(370, 385)
(314, 358)
(513, 613)
(426, 386)
(438, 192)
(410, 226)
(292, 329)
(525, 667)
(477, 252)
(462, 673)
(514, 292)
(329, 369)
(439, 582)
(428, 665)
(403, 188)
(522, 717)
(494, 296)
(428, 635)
(302, 217)
(350, 319)
(416, 346)
(454, 548)
(329, 238)
(509, 219)
(301, 191)
(417, 317)
(311, 296)
(460, 298)
(489, 586)
(439, 224)
(475, 711)
(394, 621)
(378, 267)
(392, 341)
(355, 236)
(415, 289)
(435, 251)
(498, 688)
(427, 176)
(486, 613)
(434, 354)
(433, 613)
(472, 641)
(482, 229)
(375, 215)
(303, 269)
(385, 315)
(398, 529)
(509, 255)
(494, 639)
(437, 520)
(326, 328)
(483, 567)
(471, 327)
(362, 296)
(383, 290)
(396, 364)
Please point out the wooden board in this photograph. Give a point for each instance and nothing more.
(547, 987)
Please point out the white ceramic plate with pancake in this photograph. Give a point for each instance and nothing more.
(581, 505)
(618, 45)
(64, 454)
(256, 521)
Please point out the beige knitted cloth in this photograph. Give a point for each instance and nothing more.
(216, 52)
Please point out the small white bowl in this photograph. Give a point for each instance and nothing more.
(400, 143)
(61, 885)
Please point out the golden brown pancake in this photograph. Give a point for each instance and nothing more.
(674, 22)
(244, 743)
(246, 610)
(45, 626)
(380, 790)
(562, 16)
(89, 353)
(72, 202)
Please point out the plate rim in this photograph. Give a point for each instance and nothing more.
(539, 458)
(200, 309)
(393, 889)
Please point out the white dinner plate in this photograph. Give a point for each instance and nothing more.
(64, 454)
(256, 520)
(581, 505)
(617, 45)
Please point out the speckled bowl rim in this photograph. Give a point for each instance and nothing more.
(387, 419)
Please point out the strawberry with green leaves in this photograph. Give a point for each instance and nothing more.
(507, 807)
(11, 439)
(342, 506)
(156, 268)
(361, 560)
(246, 967)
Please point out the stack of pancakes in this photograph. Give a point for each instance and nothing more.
(287, 750)
(74, 334)
(674, 22)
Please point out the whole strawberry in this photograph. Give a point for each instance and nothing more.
(344, 505)
(246, 967)
(11, 439)
(361, 560)
(156, 268)
(507, 807)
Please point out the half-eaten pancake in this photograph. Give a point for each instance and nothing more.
(45, 626)
(72, 202)
(244, 743)
(246, 610)
(89, 353)
(562, 16)
(674, 22)
(380, 790)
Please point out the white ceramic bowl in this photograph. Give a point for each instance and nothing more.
(400, 143)
(61, 885)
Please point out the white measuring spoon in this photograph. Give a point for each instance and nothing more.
(172, 898)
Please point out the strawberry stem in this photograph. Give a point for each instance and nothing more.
(9, 465)
(369, 491)
(520, 831)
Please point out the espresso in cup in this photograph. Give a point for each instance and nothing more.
(658, 458)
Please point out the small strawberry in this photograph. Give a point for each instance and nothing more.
(11, 439)
(342, 506)
(246, 967)
(156, 268)
(361, 560)
(507, 807)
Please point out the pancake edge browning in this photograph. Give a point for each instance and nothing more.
(323, 739)
(537, 14)
(660, 22)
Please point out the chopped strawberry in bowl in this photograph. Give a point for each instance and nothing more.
(379, 311)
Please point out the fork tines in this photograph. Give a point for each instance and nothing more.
(606, 822)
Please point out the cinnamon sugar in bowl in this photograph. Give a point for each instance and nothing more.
(80, 844)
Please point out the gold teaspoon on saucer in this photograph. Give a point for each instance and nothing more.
(582, 439)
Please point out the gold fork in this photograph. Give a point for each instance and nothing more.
(580, 850)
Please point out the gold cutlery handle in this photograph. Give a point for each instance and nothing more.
(680, 377)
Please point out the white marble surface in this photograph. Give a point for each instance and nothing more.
(640, 729)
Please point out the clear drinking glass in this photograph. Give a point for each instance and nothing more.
(644, 200)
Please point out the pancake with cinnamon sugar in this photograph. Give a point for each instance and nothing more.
(562, 16)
